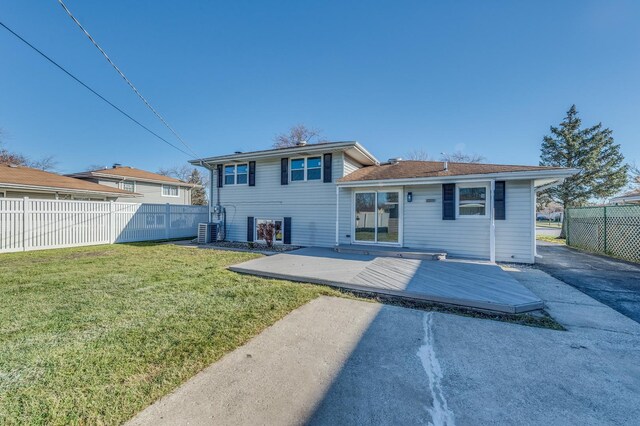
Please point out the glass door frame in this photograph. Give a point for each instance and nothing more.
(400, 215)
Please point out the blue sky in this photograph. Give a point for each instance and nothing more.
(485, 77)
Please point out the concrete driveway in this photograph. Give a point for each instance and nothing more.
(338, 361)
(615, 283)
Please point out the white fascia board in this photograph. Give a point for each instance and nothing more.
(277, 153)
(535, 174)
(137, 179)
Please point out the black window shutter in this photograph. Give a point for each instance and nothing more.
(250, 226)
(448, 201)
(287, 230)
(284, 171)
(219, 175)
(252, 173)
(499, 200)
(326, 165)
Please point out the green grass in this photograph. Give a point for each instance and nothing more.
(551, 239)
(93, 335)
(549, 224)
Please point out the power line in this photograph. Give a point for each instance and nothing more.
(91, 90)
(137, 92)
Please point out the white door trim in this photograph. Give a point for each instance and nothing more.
(400, 191)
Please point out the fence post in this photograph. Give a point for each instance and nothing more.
(112, 222)
(168, 220)
(566, 215)
(26, 223)
(605, 229)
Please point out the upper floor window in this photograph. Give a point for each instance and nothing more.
(128, 185)
(309, 168)
(472, 200)
(236, 174)
(169, 191)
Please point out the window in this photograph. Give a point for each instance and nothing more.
(169, 191)
(269, 225)
(3, 194)
(472, 201)
(309, 168)
(128, 185)
(236, 174)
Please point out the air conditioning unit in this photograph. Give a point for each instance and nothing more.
(208, 232)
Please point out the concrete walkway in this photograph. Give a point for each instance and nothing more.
(474, 284)
(337, 361)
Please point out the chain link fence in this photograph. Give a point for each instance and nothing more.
(611, 230)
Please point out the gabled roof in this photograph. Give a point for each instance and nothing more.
(352, 148)
(436, 169)
(25, 178)
(119, 172)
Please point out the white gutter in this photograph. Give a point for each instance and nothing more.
(535, 174)
(121, 178)
(282, 152)
(337, 215)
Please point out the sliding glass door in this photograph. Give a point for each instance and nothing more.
(377, 217)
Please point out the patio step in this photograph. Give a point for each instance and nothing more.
(391, 252)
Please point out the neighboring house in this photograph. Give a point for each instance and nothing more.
(20, 181)
(153, 187)
(338, 193)
(631, 197)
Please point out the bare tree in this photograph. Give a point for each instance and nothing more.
(48, 163)
(182, 172)
(297, 134)
(461, 157)
(418, 155)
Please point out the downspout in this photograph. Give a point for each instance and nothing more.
(492, 225)
(337, 215)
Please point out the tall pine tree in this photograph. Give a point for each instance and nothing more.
(593, 151)
(198, 194)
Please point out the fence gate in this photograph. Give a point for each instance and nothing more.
(611, 230)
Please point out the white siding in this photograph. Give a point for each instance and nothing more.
(151, 193)
(424, 228)
(515, 236)
(350, 165)
(311, 205)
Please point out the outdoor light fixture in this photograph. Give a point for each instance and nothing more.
(409, 197)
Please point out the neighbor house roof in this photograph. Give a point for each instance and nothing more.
(352, 148)
(26, 178)
(436, 169)
(127, 172)
(627, 197)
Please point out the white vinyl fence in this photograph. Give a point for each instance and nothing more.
(27, 224)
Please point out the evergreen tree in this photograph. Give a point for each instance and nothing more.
(198, 194)
(593, 151)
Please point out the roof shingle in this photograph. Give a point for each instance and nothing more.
(411, 169)
(20, 175)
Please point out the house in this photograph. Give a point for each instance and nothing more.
(338, 193)
(152, 187)
(21, 181)
(631, 197)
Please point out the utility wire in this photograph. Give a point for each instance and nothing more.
(137, 92)
(91, 90)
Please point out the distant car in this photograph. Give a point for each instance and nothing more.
(542, 217)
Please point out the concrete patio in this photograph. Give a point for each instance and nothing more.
(467, 283)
